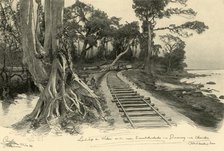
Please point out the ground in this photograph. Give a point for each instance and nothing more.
(113, 132)
(179, 100)
(203, 110)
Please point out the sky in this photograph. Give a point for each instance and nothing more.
(205, 51)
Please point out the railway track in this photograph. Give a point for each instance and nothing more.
(137, 111)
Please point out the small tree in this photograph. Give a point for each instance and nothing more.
(174, 53)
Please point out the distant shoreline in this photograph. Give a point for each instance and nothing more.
(201, 69)
(205, 110)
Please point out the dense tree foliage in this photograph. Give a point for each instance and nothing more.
(125, 37)
(89, 25)
(10, 35)
(10, 45)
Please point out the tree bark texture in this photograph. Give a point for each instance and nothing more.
(62, 91)
(148, 61)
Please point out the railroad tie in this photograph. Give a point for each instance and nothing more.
(135, 109)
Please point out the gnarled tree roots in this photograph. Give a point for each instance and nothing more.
(64, 94)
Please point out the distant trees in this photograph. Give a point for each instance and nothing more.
(10, 34)
(103, 47)
(150, 10)
(174, 53)
(10, 44)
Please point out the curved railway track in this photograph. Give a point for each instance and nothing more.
(136, 110)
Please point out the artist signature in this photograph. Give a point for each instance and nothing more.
(202, 143)
(9, 142)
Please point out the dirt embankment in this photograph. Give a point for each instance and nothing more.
(185, 98)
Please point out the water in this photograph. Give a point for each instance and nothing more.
(10, 113)
(216, 76)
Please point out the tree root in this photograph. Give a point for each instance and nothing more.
(69, 98)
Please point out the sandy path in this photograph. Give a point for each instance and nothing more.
(115, 114)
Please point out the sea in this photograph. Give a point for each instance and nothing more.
(215, 76)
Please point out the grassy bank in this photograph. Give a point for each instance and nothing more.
(185, 98)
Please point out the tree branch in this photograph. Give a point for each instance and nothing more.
(179, 11)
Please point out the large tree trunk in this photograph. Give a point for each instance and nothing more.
(62, 91)
(106, 50)
(79, 51)
(148, 62)
(169, 65)
(84, 51)
(53, 24)
(28, 25)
